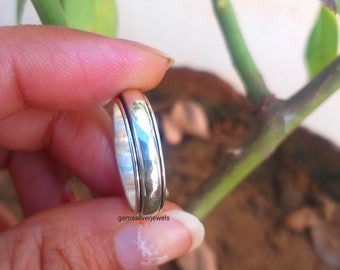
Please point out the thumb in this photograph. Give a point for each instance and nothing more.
(99, 234)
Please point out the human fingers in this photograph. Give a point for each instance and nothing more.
(79, 236)
(46, 67)
(80, 141)
(39, 180)
(50, 67)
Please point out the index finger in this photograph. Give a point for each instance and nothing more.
(46, 67)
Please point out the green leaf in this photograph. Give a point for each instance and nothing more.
(20, 10)
(331, 4)
(50, 12)
(337, 2)
(323, 42)
(97, 16)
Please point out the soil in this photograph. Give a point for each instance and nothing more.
(247, 230)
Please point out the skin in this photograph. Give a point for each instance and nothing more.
(53, 85)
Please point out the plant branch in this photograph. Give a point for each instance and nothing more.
(280, 120)
(50, 12)
(299, 106)
(241, 57)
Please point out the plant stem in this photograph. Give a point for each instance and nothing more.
(50, 12)
(280, 120)
(20, 10)
(241, 57)
(312, 95)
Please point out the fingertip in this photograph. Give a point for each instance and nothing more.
(155, 240)
(89, 235)
(193, 225)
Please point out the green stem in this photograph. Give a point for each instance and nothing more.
(299, 106)
(20, 10)
(228, 176)
(50, 12)
(279, 121)
(242, 59)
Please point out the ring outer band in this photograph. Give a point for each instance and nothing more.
(146, 158)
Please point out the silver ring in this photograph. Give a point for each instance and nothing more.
(138, 152)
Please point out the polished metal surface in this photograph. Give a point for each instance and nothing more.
(138, 153)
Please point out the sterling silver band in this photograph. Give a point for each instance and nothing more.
(138, 152)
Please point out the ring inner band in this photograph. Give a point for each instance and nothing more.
(126, 157)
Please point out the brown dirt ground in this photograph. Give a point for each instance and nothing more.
(245, 231)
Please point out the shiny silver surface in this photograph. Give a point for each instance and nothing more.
(138, 152)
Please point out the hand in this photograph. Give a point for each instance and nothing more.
(53, 84)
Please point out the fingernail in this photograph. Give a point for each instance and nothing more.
(142, 244)
(170, 62)
(192, 223)
(154, 50)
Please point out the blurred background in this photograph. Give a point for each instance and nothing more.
(275, 30)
